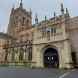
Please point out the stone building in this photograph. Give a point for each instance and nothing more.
(49, 43)
(5, 40)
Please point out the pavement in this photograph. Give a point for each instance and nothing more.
(9, 72)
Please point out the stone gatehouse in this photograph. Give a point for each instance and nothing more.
(49, 43)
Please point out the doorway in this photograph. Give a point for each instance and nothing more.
(51, 59)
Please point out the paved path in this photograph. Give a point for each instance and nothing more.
(70, 74)
(36, 73)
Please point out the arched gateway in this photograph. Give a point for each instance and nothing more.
(51, 58)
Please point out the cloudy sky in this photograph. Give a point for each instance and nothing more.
(42, 7)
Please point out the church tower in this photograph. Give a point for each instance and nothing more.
(20, 20)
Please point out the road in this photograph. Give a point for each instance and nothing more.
(10, 72)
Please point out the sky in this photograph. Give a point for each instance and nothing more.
(41, 7)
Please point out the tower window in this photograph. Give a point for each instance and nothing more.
(16, 17)
(27, 21)
(23, 21)
(16, 20)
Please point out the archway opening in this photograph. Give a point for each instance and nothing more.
(73, 54)
(51, 59)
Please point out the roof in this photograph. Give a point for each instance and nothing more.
(23, 11)
(5, 36)
(48, 20)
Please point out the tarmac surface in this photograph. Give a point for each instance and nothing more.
(11, 72)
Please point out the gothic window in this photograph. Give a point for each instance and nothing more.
(43, 32)
(48, 35)
(20, 21)
(30, 54)
(6, 55)
(13, 54)
(53, 31)
(16, 17)
(15, 49)
(27, 22)
(21, 54)
(23, 21)
(16, 20)
(48, 30)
